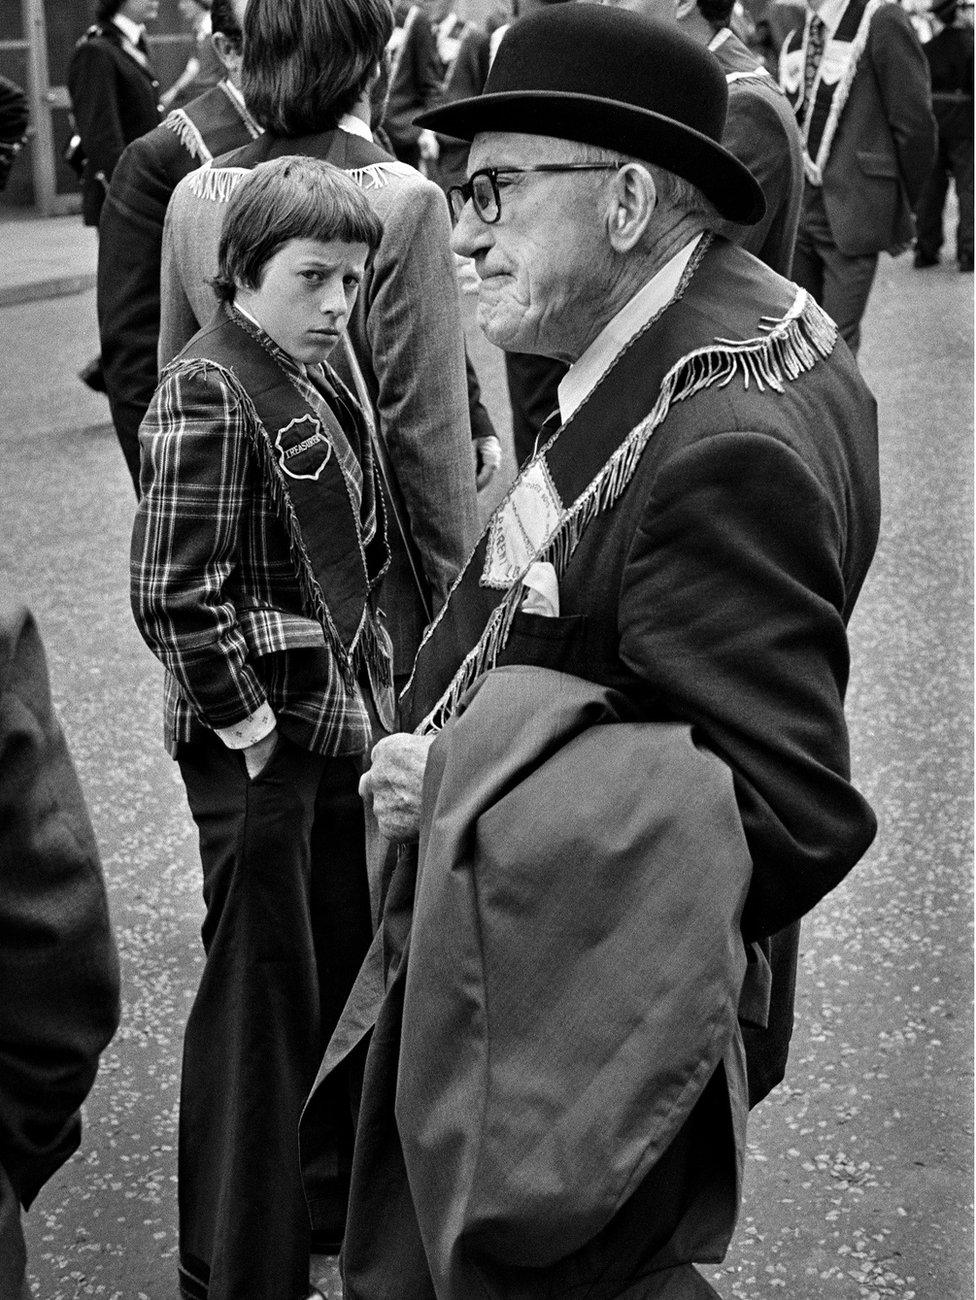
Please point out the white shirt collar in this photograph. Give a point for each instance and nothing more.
(130, 30)
(584, 375)
(355, 126)
(719, 39)
(830, 13)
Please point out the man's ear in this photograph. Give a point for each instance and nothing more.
(633, 198)
(227, 51)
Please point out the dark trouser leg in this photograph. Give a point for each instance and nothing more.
(847, 287)
(839, 282)
(260, 1018)
(928, 229)
(532, 385)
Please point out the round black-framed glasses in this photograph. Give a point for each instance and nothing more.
(481, 187)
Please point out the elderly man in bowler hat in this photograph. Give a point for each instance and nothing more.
(690, 540)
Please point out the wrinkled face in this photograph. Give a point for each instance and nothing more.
(306, 295)
(546, 259)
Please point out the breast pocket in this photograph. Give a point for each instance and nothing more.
(545, 642)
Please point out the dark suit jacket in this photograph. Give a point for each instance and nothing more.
(416, 85)
(114, 100)
(58, 967)
(130, 252)
(885, 140)
(761, 131)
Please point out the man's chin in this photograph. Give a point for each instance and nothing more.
(503, 332)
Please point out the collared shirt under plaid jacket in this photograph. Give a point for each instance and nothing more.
(215, 592)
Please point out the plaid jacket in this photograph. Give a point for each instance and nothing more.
(214, 590)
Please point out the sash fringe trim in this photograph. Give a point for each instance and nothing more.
(792, 345)
(364, 651)
(188, 134)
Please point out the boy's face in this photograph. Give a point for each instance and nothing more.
(306, 294)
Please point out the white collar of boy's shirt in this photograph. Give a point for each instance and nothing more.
(584, 375)
(830, 13)
(130, 30)
(719, 39)
(355, 126)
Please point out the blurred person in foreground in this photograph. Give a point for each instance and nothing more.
(859, 83)
(258, 546)
(678, 562)
(131, 227)
(311, 75)
(59, 969)
(950, 59)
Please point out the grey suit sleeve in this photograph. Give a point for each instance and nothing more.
(902, 74)
(177, 321)
(413, 329)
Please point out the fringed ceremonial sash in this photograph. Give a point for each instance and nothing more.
(189, 124)
(585, 467)
(820, 115)
(295, 446)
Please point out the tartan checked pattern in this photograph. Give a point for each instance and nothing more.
(214, 591)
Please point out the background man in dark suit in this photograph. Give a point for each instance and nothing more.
(859, 82)
(131, 228)
(58, 966)
(114, 93)
(760, 128)
(14, 117)
(416, 79)
(114, 99)
(950, 57)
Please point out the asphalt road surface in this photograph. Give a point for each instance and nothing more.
(859, 1172)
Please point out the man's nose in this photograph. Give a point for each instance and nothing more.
(471, 234)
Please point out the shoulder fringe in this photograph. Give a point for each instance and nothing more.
(365, 648)
(793, 344)
(217, 184)
(814, 167)
(188, 134)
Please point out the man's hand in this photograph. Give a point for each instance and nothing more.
(394, 784)
(487, 458)
(430, 146)
(257, 755)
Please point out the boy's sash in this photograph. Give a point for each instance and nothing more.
(587, 464)
(295, 445)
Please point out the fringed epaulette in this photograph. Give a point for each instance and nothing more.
(216, 184)
(789, 346)
(188, 134)
(376, 175)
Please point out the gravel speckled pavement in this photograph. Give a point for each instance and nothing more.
(859, 1173)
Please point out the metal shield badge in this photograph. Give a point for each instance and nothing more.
(303, 448)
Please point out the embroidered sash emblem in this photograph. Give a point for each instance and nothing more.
(303, 448)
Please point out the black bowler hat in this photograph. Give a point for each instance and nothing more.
(611, 78)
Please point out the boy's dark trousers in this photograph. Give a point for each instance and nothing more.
(286, 928)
